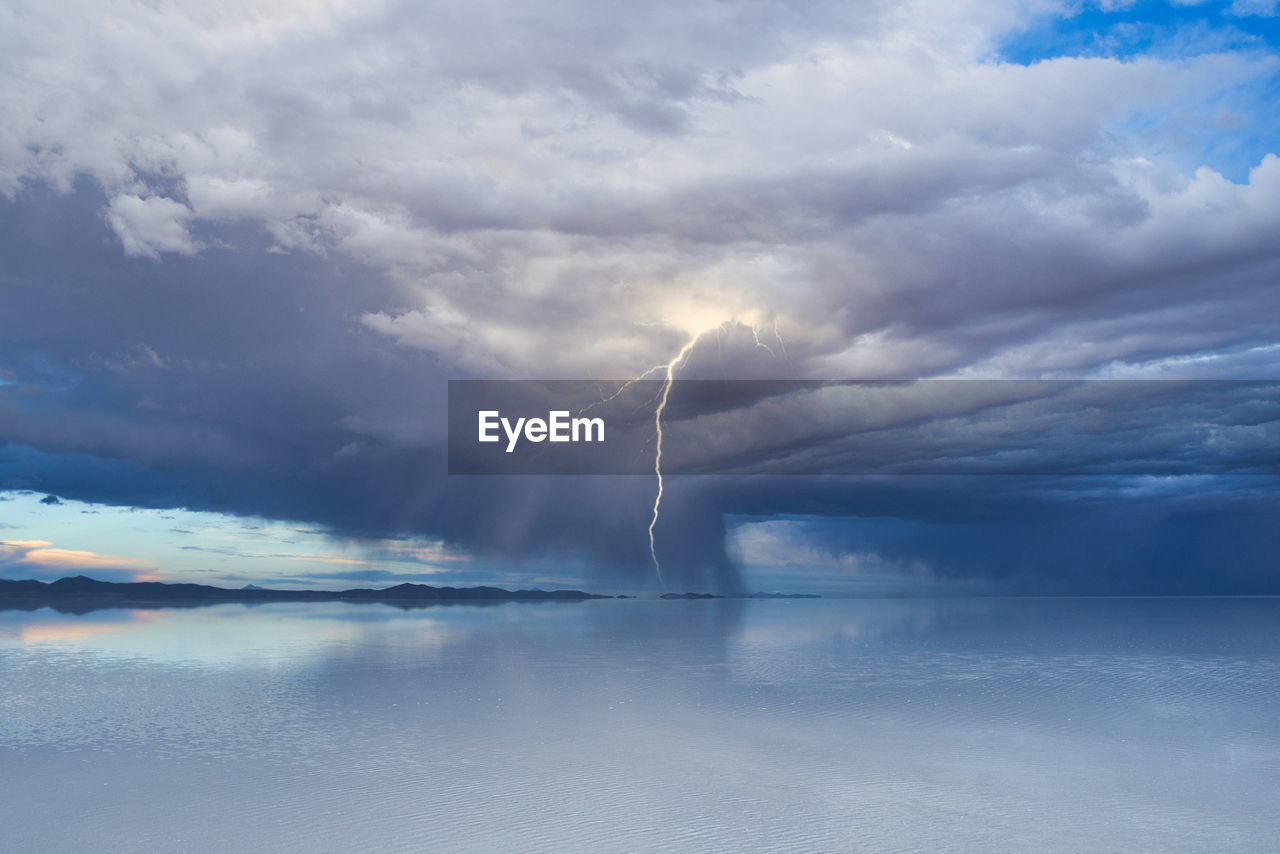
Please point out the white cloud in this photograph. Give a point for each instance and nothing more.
(151, 225)
(551, 191)
(1261, 8)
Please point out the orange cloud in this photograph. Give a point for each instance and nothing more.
(42, 554)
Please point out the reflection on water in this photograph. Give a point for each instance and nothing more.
(969, 725)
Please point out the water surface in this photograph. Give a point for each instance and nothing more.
(832, 725)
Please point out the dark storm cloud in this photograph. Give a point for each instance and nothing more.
(1119, 427)
(1162, 536)
(241, 259)
(295, 413)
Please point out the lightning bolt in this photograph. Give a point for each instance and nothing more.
(782, 345)
(755, 333)
(657, 452)
(671, 368)
(626, 385)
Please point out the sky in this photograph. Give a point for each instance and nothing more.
(244, 247)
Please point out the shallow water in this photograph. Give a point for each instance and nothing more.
(828, 725)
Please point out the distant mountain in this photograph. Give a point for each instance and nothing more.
(80, 593)
(82, 589)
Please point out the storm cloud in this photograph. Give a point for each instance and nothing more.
(245, 247)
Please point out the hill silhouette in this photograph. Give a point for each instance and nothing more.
(81, 593)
